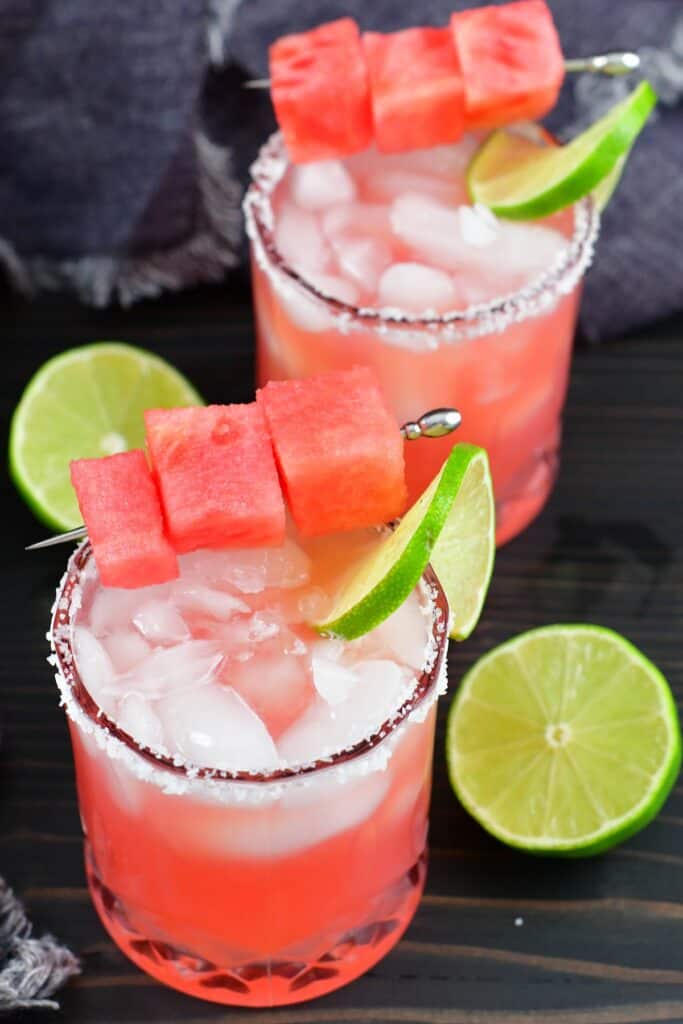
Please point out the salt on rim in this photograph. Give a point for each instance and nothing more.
(395, 325)
(174, 775)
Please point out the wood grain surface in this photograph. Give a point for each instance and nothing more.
(500, 938)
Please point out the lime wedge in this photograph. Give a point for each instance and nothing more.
(522, 181)
(84, 403)
(564, 740)
(603, 191)
(451, 524)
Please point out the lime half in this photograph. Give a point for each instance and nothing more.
(522, 181)
(84, 403)
(451, 525)
(564, 740)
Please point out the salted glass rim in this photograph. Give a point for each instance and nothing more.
(66, 605)
(533, 299)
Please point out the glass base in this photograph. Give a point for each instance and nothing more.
(516, 511)
(272, 982)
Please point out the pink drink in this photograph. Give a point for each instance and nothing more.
(254, 797)
(380, 260)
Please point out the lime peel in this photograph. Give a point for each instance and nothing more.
(385, 577)
(545, 179)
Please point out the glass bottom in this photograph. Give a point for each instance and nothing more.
(272, 982)
(529, 494)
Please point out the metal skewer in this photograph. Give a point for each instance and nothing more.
(435, 423)
(621, 62)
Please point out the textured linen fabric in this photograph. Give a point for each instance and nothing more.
(106, 182)
(120, 126)
(31, 970)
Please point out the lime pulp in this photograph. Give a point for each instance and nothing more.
(564, 740)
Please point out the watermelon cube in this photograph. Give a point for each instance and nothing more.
(416, 87)
(511, 60)
(120, 506)
(338, 448)
(319, 88)
(217, 476)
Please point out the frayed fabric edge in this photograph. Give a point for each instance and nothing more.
(31, 970)
(221, 14)
(205, 256)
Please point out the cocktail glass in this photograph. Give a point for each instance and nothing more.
(245, 888)
(503, 363)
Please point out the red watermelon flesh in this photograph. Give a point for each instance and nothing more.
(120, 506)
(217, 476)
(319, 88)
(338, 448)
(416, 87)
(511, 61)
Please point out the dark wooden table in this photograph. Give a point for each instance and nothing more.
(500, 938)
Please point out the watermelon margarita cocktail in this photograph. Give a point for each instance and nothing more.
(381, 259)
(254, 797)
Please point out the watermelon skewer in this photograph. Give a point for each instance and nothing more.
(614, 64)
(432, 424)
(334, 90)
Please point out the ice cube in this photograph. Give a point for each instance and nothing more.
(431, 229)
(445, 161)
(299, 240)
(526, 250)
(113, 608)
(416, 288)
(187, 666)
(139, 719)
(124, 787)
(276, 682)
(362, 259)
(336, 287)
(325, 808)
(126, 649)
(474, 286)
(306, 311)
(478, 226)
(161, 623)
(329, 647)
(332, 680)
(386, 184)
(313, 605)
(216, 604)
(303, 816)
(315, 734)
(405, 633)
(250, 570)
(214, 728)
(95, 669)
(381, 687)
(317, 185)
(247, 631)
(362, 220)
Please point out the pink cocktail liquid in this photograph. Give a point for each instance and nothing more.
(254, 798)
(380, 260)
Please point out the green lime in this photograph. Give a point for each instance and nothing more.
(521, 181)
(451, 524)
(84, 403)
(603, 191)
(564, 740)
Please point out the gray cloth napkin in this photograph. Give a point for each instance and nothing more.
(120, 126)
(31, 970)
